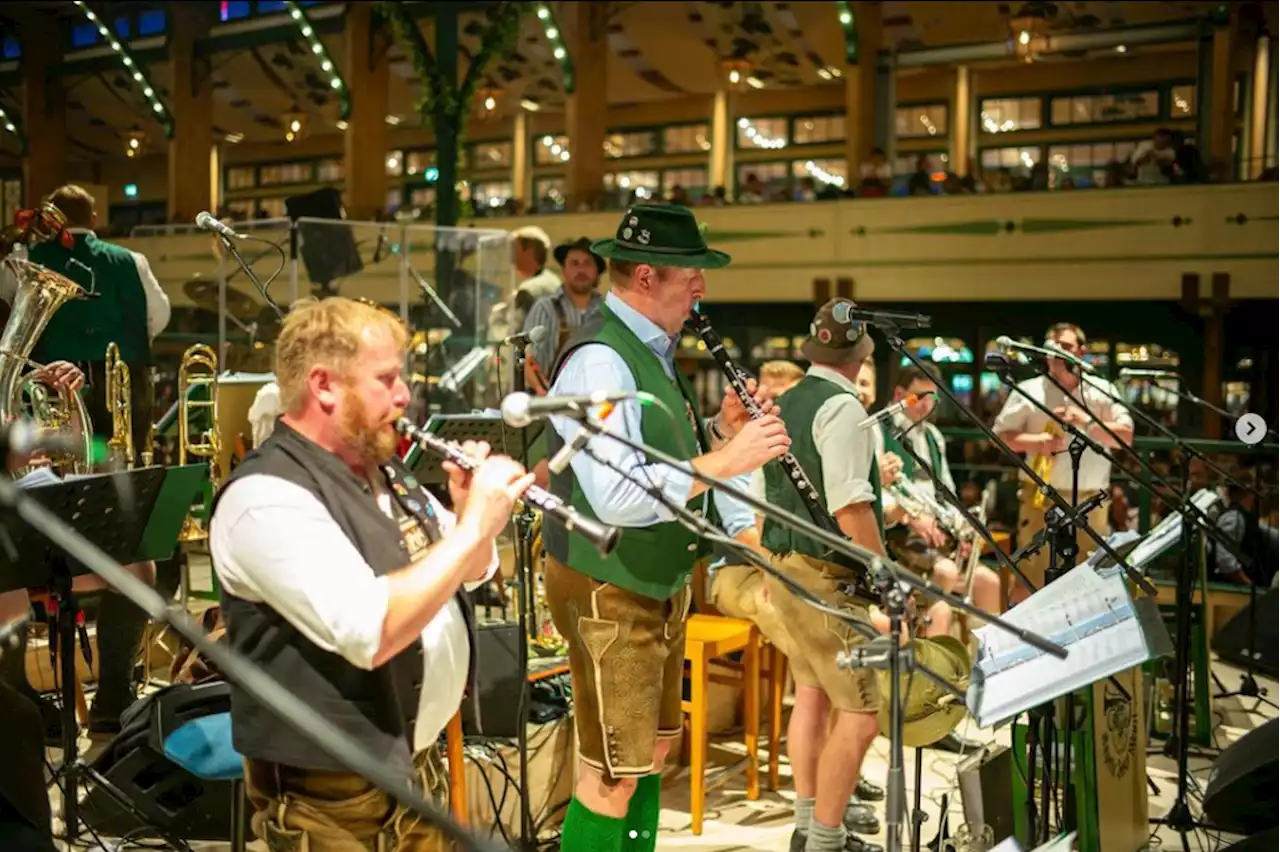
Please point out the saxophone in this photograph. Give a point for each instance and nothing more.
(1042, 464)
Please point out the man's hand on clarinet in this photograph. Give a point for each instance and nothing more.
(757, 442)
(459, 479)
(495, 485)
(59, 375)
(890, 464)
(733, 414)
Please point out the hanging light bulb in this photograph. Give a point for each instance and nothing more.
(134, 143)
(295, 124)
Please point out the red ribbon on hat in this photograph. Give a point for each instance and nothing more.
(26, 219)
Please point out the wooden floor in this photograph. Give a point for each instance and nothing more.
(734, 824)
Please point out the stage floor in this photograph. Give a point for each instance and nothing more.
(733, 824)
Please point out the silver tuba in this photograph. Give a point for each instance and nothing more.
(39, 295)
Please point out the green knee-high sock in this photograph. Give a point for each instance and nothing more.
(587, 831)
(641, 834)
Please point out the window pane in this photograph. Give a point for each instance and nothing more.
(84, 35)
(640, 143)
(278, 173)
(1060, 111)
(123, 27)
(241, 177)
(769, 133)
(233, 10)
(826, 174)
(549, 194)
(772, 177)
(920, 120)
(551, 150)
(395, 195)
(489, 155)
(686, 138)
(268, 7)
(151, 22)
(809, 130)
(490, 194)
(423, 196)
(331, 171)
(692, 181)
(417, 162)
(1182, 101)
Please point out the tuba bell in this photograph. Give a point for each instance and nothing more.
(39, 294)
(199, 369)
(120, 447)
(929, 712)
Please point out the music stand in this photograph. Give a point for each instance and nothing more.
(494, 431)
(111, 509)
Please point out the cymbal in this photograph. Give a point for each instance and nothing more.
(429, 337)
(204, 292)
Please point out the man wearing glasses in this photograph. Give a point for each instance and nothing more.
(1027, 429)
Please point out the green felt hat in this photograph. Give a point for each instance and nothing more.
(660, 235)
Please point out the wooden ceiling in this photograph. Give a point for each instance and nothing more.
(657, 50)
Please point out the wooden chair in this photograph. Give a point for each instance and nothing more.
(707, 638)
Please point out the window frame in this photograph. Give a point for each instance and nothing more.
(930, 102)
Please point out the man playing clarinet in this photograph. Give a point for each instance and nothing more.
(623, 615)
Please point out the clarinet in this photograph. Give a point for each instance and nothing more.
(738, 377)
(603, 538)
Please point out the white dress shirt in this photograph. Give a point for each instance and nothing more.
(846, 451)
(1019, 415)
(158, 309)
(918, 441)
(264, 411)
(274, 542)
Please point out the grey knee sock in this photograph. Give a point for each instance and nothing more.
(804, 814)
(823, 838)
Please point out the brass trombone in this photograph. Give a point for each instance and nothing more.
(120, 448)
(198, 370)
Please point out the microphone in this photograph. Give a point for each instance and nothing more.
(561, 459)
(997, 362)
(206, 221)
(23, 438)
(1008, 344)
(1133, 373)
(521, 409)
(890, 410)
(537, 334)
(894, 318)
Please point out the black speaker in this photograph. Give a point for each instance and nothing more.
(1241, 794)
(328, 251)
(134, 785)
(498, 679)
(1232, 640)
(986, 789)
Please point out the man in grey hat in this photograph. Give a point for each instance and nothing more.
(822, 414)
(565, 311)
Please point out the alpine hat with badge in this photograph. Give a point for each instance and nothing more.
(835, 337)
(660, 235)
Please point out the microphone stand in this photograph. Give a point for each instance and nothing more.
(301, 716)
(891, 657)
(1063, 518)
(248, 271)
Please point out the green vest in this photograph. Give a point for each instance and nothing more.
(654, 561)
(799, 408)
(82, 328)
(893, 445)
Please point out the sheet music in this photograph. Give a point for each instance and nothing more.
(1090, 614)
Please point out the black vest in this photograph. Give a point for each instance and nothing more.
(375, 708)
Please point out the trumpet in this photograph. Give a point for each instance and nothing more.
(603, 538)
(916, 503)
(120, 447)
(1042, 464)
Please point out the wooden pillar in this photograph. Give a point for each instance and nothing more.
(586, 111)
(521, 174)
(1222, 116)
(191, 102)
(860, 88)
(44, 109)
(1256, 159)
(961, 121)
(724, 134)
(364, 154)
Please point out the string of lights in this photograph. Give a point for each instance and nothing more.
(558, 147)
(850, 27)
(11, 125)
(327, 65)
(558, 50)
(759, 139)
(158, 108)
